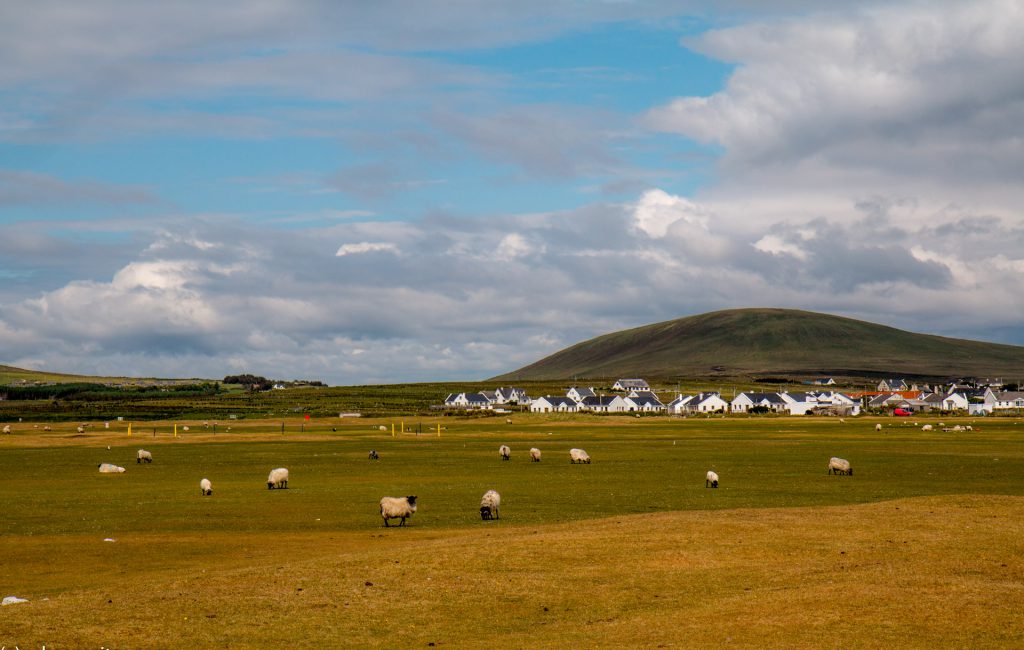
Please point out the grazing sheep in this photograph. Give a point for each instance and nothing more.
(534, 455)
(842, 421)
(578, 456)
(81, 429)
(47, 428)
(278, 478)
(205, 487)
(185, 427)
(110, 468)
(382, 428)
(489, 505)
(7, 428)
(968, 428)
(711, 480)
(878, 427)
(839, 466)
(508, 420)
(143, 455)
(374, 455)
(926, 427)
(397, 508)
(504, 451)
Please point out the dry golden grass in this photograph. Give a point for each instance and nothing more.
(944, 571)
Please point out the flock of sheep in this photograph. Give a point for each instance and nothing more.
(402, 508)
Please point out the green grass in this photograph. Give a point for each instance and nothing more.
(649, 540)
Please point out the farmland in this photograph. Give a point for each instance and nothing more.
(923, 546)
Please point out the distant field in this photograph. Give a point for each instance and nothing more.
(922, 547)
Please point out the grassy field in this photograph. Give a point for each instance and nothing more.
(922, 547)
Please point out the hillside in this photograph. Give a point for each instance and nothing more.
(780, 342)
(12, 375)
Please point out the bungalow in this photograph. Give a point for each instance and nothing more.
(510, 395)
(823, 381)
(467, 401)
(839, 402)
(1003, 400)
(700, 403)
(551, 404)
(799, 403)
(743, 402)
(886, 400)
(604, 404)
(579, 394)
(644, 401)
(630, 384)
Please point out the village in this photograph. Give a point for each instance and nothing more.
(634, 395)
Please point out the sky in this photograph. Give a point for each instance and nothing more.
(389, 192)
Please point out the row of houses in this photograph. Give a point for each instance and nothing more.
(580, 399)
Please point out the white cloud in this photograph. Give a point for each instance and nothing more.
(366, 247)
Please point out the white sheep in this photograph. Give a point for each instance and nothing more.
(110, 468)
(534, 455)
(397, 508)
(278, 478)
(382, 428)
(47, 428)
(184, 427)
(578, 456)
(926, 427)
(839, 466)
(489, 505)
(504, 451)
(81, 429)
(711, 480)
(143, 455)
(205, 487)
(7, 428)
(968, 428)
(878, 427)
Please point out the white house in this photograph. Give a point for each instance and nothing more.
(551, 404)
(1003, 400)
(467, 401)
(839, 401)
(579, 394)
(644, 402)
(746, 401)
(892, 385)
(604, 404)
(700, 403)
(631, 384)
(510, 395)
(799, 403)
(955, 402)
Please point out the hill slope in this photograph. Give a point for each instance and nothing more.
(773, 341)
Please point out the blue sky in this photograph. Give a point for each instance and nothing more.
(396, 191)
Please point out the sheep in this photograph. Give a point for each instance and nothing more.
(184, 427)
(839, 466)
(926, 427)
(397, 508)
(508, 420)
(374, 455)
(7, 428)
(534, 455)
(878, 427)
(578, 456)
(47, 428)
(711, 479)
(489, 505)
(110, 468)
(504, 451)
(278, 478)
(81, 429)
(968, 428)
(382, 428)
(205, 487)
(143, 455)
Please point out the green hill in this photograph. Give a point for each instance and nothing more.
(779, 342)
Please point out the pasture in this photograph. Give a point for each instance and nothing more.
(921, 547)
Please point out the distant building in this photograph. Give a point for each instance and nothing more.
(627, 385)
